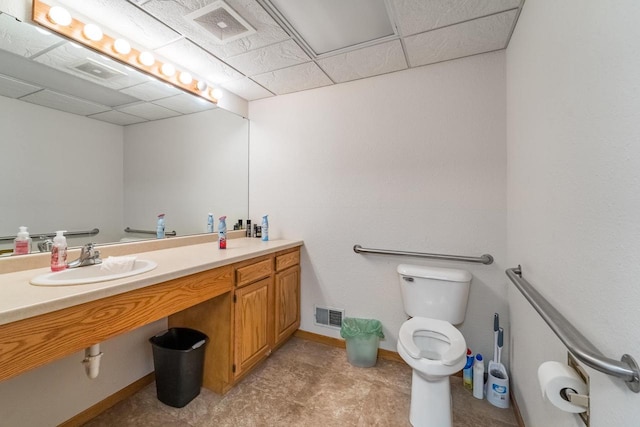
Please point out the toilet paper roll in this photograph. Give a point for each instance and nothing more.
(553, 378)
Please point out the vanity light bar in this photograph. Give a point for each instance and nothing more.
(90, 35)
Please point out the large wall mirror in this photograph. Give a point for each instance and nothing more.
(89, 143)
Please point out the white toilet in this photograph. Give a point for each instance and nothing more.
(436, 299)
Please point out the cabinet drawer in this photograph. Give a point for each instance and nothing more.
(253, 272)
(287, 260)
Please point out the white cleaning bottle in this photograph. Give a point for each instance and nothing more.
(160, 227)
(59, 252)
(478, 377)
(210, 223)
(222, 233)
(22, 242)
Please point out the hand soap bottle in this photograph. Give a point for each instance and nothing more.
(59, 252)
(22, 242)
(222, 233)
(265, 228)
(160, 227)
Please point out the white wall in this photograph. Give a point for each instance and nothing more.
(186, 167)
(412, 161)
(59, 171)
(574, 193)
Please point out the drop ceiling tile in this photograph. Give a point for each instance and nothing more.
(269, 58)
(149, 111)
(172, 13)
(68, 56)
(293, 79)
(51, 99)
(247, 89)
(117, 118)
(456, 41)
(369, 61)
(198, 61)
(23, 39)
(151, 90)
(13, 88)
(415, 17)
(119, 17)
(185, 103)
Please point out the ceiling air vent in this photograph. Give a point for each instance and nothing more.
(221, 21)
(97, 69)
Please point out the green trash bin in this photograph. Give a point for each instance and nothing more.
(362, 337)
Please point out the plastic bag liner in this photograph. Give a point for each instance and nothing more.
(353, 327)
(361, 337)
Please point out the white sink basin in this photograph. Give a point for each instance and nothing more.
(90, 274)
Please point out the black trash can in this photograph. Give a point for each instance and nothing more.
(178, 358)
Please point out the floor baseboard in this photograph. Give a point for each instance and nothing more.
(337, 342)
(95, 410)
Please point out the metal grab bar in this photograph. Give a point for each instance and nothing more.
(50, 235)
(166, 233)
(625, 368)
(484, 259)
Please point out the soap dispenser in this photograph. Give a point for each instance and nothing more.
(59, 252)
(160, 227)
(22, 242)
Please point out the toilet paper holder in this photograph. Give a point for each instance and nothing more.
(576, 398)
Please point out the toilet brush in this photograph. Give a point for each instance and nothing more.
(496, 327)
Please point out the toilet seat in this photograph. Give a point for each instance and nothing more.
(457, 344)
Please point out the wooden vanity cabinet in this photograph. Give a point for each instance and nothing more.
(261, 312)
(286, 295)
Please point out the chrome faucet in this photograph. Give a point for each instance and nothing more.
(88, 256)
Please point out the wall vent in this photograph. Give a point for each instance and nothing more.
(329, 317)
(221, 21)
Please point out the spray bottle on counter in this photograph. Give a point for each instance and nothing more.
(210, 223)
(467, 371)
(22, 242)
(160, 227)
(265, 228)
(59, 252)
(222, 233)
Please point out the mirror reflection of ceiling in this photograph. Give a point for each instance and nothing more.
(261, 48)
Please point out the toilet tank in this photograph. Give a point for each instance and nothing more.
(437, 293)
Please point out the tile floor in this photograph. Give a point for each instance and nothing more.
(304, 384)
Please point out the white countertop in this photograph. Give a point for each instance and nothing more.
(20, 300)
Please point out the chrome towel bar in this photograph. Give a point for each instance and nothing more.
(484, 259)
(35, 236)
(166, 233)
(625, 368)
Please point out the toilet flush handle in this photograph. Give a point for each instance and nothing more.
(408, 279)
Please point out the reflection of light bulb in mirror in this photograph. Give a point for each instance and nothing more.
(185, 78)
(201, 86)
(146, 58)
(59, 15)
(217, 93)
(168, 70)
(122, 46)
(92, 32)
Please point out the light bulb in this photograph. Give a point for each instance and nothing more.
(201, 86)
(146, 58)
(92, 32)
(59, 15)
(217, 93)
(168, 70)
(185, 78)
(121, 46)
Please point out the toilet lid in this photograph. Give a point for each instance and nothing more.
(457, 344)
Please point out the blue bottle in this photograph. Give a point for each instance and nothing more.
(467, 372)
(222, 233)
(160, 227)
(265, 228)
(210, 223)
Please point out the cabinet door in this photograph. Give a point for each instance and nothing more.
(251, 325)
(287, 303)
